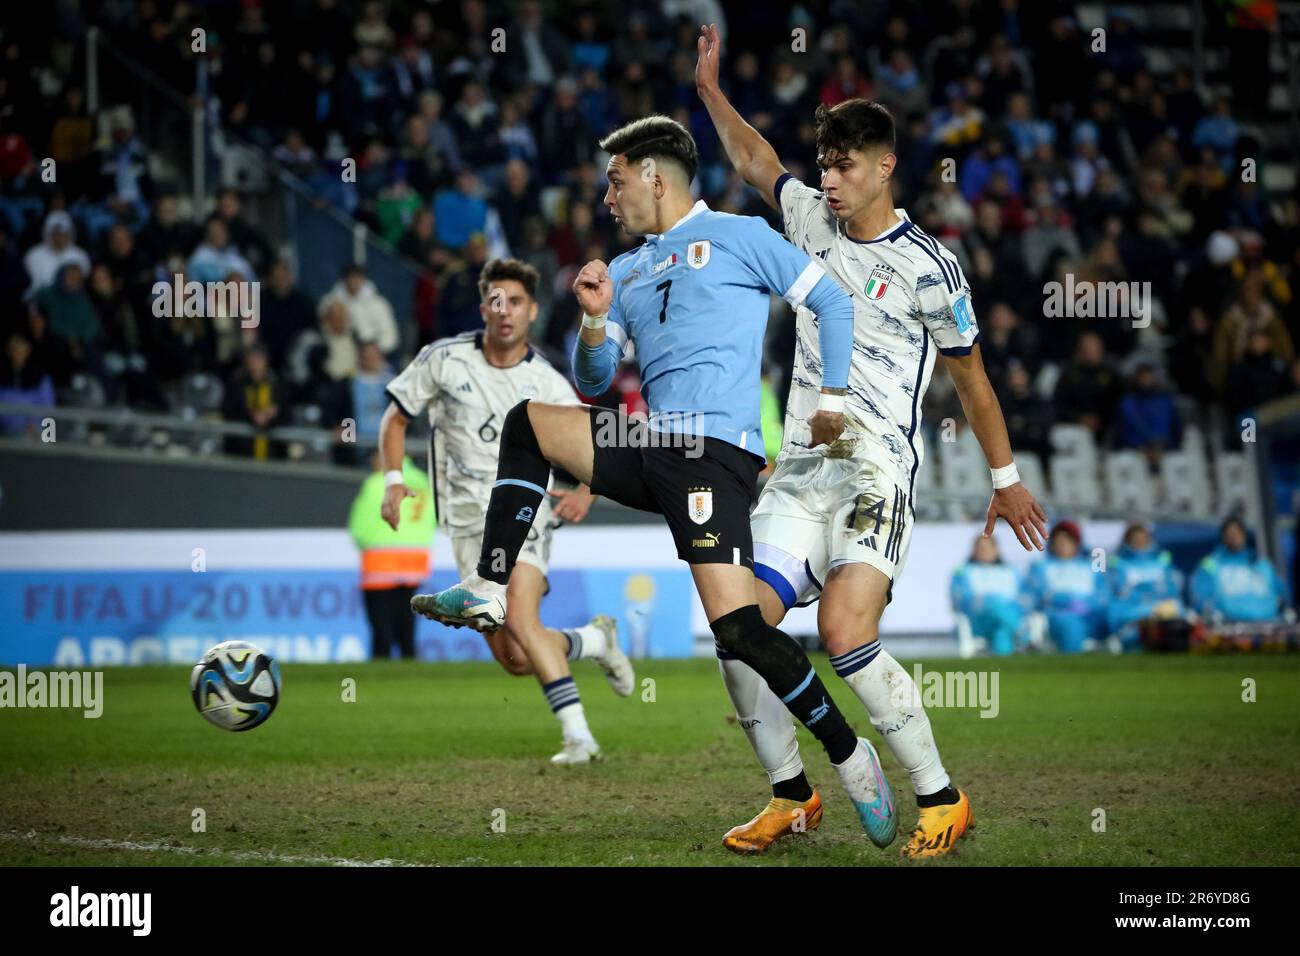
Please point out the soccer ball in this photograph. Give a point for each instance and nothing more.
(236, 685)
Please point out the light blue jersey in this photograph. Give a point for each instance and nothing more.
(694, 302)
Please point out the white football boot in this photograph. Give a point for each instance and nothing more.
(618, 669)
(577, 750)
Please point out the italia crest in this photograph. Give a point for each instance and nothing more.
(699, 504)
(878, 283)
(697, 254)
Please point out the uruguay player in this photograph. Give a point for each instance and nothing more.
(693, 298)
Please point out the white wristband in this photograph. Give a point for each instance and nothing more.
(1005, 477)
(393, 477)
(594, 321)
(830, 403)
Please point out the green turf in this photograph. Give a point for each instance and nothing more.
(1186, 772)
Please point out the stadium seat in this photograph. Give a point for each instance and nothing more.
(1074, 441)
(1231, 478)
(1129, 488)
(1032, 474)
(962, 469)
(1074, 483)
(1185, 482)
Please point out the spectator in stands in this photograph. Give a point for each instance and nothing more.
(22, 383)
(57, 249)
(1066, 588)
(460, 212)
(295, 154)
(285, 313)
(564, 139)
(216, 256)
(418, 241)
(255, 396)
(1144, 583)
(124, 182)
(518, 201)
(1029, 417)
(69, 310)
(1089, 388)
(72, 141)
(243, 236)
(1250, 312)
(1148, 420)
(989, 593)
(1260, 376)
(165, 235)
(1232, 584)
(325, 357)
(366, 399)
(126, 366)
(458, 306)
(370, 314)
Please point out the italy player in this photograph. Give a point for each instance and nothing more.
(693, 299)
(834, 522)
(468, 384)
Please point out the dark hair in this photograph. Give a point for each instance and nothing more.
(1231, 520)
(497, 270)
(854, 124)
(659, 136)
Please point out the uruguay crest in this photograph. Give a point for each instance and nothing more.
(697, 254)
(699, 504)
(878, 283)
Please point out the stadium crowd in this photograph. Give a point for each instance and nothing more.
(1067, 164)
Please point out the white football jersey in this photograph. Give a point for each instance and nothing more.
(467, 399)
(910, 300)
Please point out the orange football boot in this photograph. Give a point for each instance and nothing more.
(939, 828)
(779, 818)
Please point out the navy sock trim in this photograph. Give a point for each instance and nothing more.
(561, 693)
(853, 661)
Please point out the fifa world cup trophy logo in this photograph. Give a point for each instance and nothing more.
(639, 593)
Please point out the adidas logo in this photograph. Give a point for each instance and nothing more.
(942, 841)
(467, 387)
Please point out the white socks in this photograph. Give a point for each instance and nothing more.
(585, 642)
(766, 721)
(890, 696)
(886, 690)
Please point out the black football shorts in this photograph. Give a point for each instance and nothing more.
(704, 487)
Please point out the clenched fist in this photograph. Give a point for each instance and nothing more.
(592, 287)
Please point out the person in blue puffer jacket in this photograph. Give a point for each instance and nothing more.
(1232, 584)
(1068, 591)
(988, 592)
(1143, 583)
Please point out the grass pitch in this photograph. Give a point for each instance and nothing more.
(431, 756)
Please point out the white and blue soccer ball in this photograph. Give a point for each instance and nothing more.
(236, 685)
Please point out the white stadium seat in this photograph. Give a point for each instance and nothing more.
(1129, 487)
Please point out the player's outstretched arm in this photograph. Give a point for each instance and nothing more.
(1012, 502)
(392, 453)
(752, 155)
